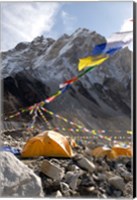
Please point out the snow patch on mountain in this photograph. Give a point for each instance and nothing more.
(104, 91)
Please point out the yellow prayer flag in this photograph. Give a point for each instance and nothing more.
(90, 61)
(129, 132)
(93, 132)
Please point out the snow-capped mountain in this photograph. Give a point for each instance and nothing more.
(101, 99)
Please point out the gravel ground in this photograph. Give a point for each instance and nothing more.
(80, 176)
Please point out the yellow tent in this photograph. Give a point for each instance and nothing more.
(122, 151)
(47, 143)
(100, 151)
(112, 153)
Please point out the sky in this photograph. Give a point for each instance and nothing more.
(23, 21)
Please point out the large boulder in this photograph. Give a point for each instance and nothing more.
(16, 179)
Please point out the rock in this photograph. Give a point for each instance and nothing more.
(117, 193)
(72, 179)
(5, 143)
(117, 182)
(101, 189)
(104, 196)
(128, 190)
(120, 165)
(99, 168)
(91, 189)
(129, 165)
(55, 161)
(17, 179)
(64, 187)
(51, 186)
(40, 158)
(109, 174)
(102, 177)
(88, 191)
(74, 193)
(87, 180)
(96, 178)
(84, 163)
(72, 167)
(57, 194)
(52, 170)
(125, 174)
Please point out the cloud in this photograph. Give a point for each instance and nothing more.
(127, 25)
(68, 21)
(25, 21)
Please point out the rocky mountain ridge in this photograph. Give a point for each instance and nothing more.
(100, 100)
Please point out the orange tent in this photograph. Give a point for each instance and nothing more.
(112, 153)
(100, 151)
(47, 143)
(118, 151)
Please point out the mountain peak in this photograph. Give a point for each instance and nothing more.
(45, 63)
(81, 30)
